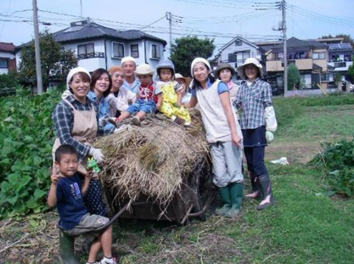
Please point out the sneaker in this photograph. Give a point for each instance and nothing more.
(113, 121)
(136, 121)
(111, 260)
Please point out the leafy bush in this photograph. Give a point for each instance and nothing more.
(26, 138)
(337, 160)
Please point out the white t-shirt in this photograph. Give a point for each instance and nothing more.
(122, 99)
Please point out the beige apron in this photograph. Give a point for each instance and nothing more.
(84, 130)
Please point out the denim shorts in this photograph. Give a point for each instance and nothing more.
(141, 105)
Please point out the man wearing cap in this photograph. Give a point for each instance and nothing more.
(129, 66)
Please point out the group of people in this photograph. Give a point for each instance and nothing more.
(96, 104)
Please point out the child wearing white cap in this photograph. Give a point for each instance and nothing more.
(223, 133)
(145, 97)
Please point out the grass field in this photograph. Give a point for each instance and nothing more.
(305, 225)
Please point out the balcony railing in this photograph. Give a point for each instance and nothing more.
(91, 55)
(340, 64)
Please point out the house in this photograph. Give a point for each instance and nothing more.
(238, 50)
(309, 56)
(7, 57)
(340, 57)
(97, 46)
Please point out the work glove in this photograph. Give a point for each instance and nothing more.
(270, 119)
(96, 154)
(269, 136)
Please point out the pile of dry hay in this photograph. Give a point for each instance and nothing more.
(151, 159)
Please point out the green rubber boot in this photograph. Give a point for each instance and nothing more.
(66, 245)
(236, 191)
(225, 196)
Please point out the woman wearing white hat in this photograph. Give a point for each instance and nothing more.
(223, 133)
(76, 123)
(255, 99)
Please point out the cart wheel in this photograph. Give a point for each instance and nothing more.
(196, 198)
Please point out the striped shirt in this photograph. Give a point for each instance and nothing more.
(252, 100)
(63, 118)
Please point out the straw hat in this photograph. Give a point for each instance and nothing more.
(187, 80)
(255, 62)
(144, 69)
(224, 66)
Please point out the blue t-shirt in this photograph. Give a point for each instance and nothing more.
(70, 202)
(222, 88)
(103, 108)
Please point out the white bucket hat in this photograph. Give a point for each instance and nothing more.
(128, 58)
(196, 60)
(144, 69)
(255, 62)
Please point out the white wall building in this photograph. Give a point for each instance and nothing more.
(97, 46)
(7, 57)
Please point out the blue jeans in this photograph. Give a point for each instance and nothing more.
(142, 105)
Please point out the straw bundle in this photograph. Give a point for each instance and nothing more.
(152, 159)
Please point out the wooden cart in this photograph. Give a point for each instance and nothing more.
(193, 200)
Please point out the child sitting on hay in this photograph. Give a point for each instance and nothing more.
(66, 192)
(223, 133)
(146, 96)
(172, 93)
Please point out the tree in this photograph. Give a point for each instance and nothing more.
(347, 38)
(351, 72)
(294, 77)
(186, 49)
(56, 62)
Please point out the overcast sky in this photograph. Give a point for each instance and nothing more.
(219, 19)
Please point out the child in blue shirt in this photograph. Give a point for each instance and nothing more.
(66, 192)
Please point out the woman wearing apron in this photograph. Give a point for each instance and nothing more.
(76, 123)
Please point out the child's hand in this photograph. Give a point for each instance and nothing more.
(158, 106)
(179, 104)
(236, 140)
(54, 178)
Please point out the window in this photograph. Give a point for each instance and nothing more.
(232, 57)
(325, 77)
(319, 56)
(155, 51)
(3, 63)
(242, 56)
(86, 51)
(306, 79)
(118, 50)
(134, 50)
(238, 42)
(279, 56)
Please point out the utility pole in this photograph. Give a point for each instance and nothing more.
(172, 19)
(37, 48)
(169, 18)
(81, 8)
(285, 53)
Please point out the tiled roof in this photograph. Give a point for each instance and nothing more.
(297, 43)
(7, 47)
(340, 47)
(90, 30)
(94, 30)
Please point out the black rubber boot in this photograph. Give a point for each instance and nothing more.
(266, 188)
(225, 199)
(255, 188)
(66, 245)
(236, 191)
